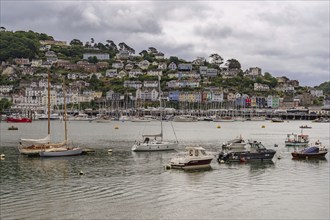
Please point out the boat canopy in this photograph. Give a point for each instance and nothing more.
(37, 141)
(310, 150)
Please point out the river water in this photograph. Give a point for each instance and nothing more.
(128, 185)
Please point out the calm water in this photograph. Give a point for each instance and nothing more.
(128, 185)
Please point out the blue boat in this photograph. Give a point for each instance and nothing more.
(313, 152)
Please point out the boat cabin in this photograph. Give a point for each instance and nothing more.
(195, 151)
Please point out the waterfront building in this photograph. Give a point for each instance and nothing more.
(147, 94)
(174, 96)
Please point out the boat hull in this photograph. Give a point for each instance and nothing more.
(164, 146)
(64, 153)
(192, 164)
(246, 156)
(297, 155)
(19, 120)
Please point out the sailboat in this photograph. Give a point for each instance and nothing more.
(155, 142)
(65, 150)
(32, 147)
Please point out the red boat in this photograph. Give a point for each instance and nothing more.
(19, 119)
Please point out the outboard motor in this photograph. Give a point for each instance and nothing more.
(221, 156)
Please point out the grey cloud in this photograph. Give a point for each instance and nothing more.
(280, 37)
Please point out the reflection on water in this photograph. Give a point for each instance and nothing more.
(136, 185)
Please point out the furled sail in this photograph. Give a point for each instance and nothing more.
(37, 141)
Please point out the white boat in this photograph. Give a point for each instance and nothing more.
(80, 117)
(236, 144)
(155, 142)
(103, 119)
(240, 119)
(185, 118)
(224, 119)
(258, 118)
(277, 120)
(61, 152)
(53, 116)
(193, 158)
(140, 119)
(297, 140)
(124, 118)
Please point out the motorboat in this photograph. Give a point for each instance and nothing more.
(258, 118)
(80, 117)
(193, 158)
(240, 119)
(305, 127)
(18, 119)
(224, 119)
(322, 120)
(237, 144)
(297, 140)
(315, 151)
(185, 118)
(103, 119)
(254, 150)
(140, 119)
(13, 128)
(53, 116)
(277, 120)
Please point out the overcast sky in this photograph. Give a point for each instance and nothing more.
(288, 38)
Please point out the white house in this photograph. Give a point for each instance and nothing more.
(134, 73)
(150, 84)
(172, 66)
(133, 84)
(118, 65)
(155, 73)
(6, 88)
(99, 56)
(144, 64)
(147, 94)
(111, 73)
(260, 87)
(316, 92)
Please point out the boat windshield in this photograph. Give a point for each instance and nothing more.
(261, 146)
(203, 152)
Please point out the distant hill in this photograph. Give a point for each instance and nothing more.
(20, 44)
(325, 87)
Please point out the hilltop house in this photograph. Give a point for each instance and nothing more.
(99, 56)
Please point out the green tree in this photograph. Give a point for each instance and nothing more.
(5, 104)
(233, 64)
(76, 42)
(93, 59)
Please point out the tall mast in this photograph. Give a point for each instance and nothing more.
(65, 114)
(48, 104)
(160, 109)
